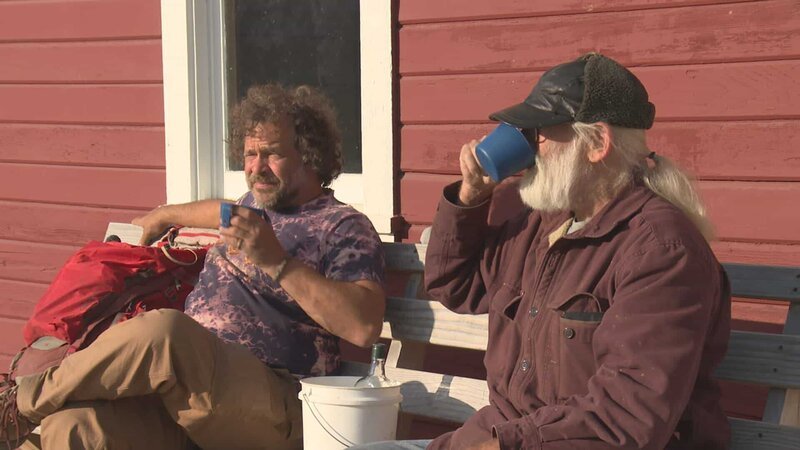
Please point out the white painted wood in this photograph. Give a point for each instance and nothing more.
(431, 323)
(178, 70)
(194, 111)
(377, 121)
(349, 188)
(211, 93)
(126, 232)
(235, 184)
(407, 355)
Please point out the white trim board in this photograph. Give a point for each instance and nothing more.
(194, 109)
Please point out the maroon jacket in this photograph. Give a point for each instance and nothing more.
(603, 338)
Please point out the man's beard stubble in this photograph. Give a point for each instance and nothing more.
(279, 199)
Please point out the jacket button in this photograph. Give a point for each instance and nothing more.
(569, 333)
(533, 311)
(525, 365)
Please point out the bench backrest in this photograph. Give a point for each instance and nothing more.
(773, 360)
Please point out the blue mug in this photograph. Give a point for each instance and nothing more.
(228, 210)
(504, 152)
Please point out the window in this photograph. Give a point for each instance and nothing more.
(314, 42)
(214, 49)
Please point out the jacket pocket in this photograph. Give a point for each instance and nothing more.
(505, 302)
(504, 332)
(578, 318)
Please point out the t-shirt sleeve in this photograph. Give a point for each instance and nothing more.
(246, 199)
(353, 251)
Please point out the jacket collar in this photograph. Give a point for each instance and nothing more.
(619, 210)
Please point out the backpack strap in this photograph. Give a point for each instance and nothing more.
(165, 251)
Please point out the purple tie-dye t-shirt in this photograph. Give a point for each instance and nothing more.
(241, 304)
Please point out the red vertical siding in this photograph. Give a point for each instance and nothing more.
(721, 73)
(81, 136)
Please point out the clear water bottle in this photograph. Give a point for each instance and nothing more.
(377, 371)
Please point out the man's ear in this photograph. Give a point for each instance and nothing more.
(601, 150)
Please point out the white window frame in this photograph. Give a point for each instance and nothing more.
(195, 108)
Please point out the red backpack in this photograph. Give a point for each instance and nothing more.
(102, 284)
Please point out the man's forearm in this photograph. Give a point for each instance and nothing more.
(350, 310)
(202, 213)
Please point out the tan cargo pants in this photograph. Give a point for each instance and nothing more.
(161, 381)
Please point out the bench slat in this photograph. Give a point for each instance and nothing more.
(749, 281)
(766, 359)
(434, 395)
(404, 257)
(770, 282)
(431, 323)
(748, 435)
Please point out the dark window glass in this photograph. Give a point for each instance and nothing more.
(314, 42)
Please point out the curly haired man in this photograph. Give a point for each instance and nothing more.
(294, 272)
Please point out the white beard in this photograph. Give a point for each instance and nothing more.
(552, 184)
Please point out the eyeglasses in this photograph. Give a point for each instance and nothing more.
(533, 137)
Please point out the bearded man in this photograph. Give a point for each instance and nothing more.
(608, 311)
(295, 271)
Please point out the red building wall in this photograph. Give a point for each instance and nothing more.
(81, 136)
(722, 74)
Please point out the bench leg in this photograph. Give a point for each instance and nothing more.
(408, 355)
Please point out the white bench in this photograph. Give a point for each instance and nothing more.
(412, 323)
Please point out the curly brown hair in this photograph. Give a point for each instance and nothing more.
(317, 134)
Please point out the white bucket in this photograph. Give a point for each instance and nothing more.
(337, 415)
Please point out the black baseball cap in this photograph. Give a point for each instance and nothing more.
(593, 88)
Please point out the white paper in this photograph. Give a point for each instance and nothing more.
(127, 232)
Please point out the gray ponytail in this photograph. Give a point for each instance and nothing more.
(661, 175)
